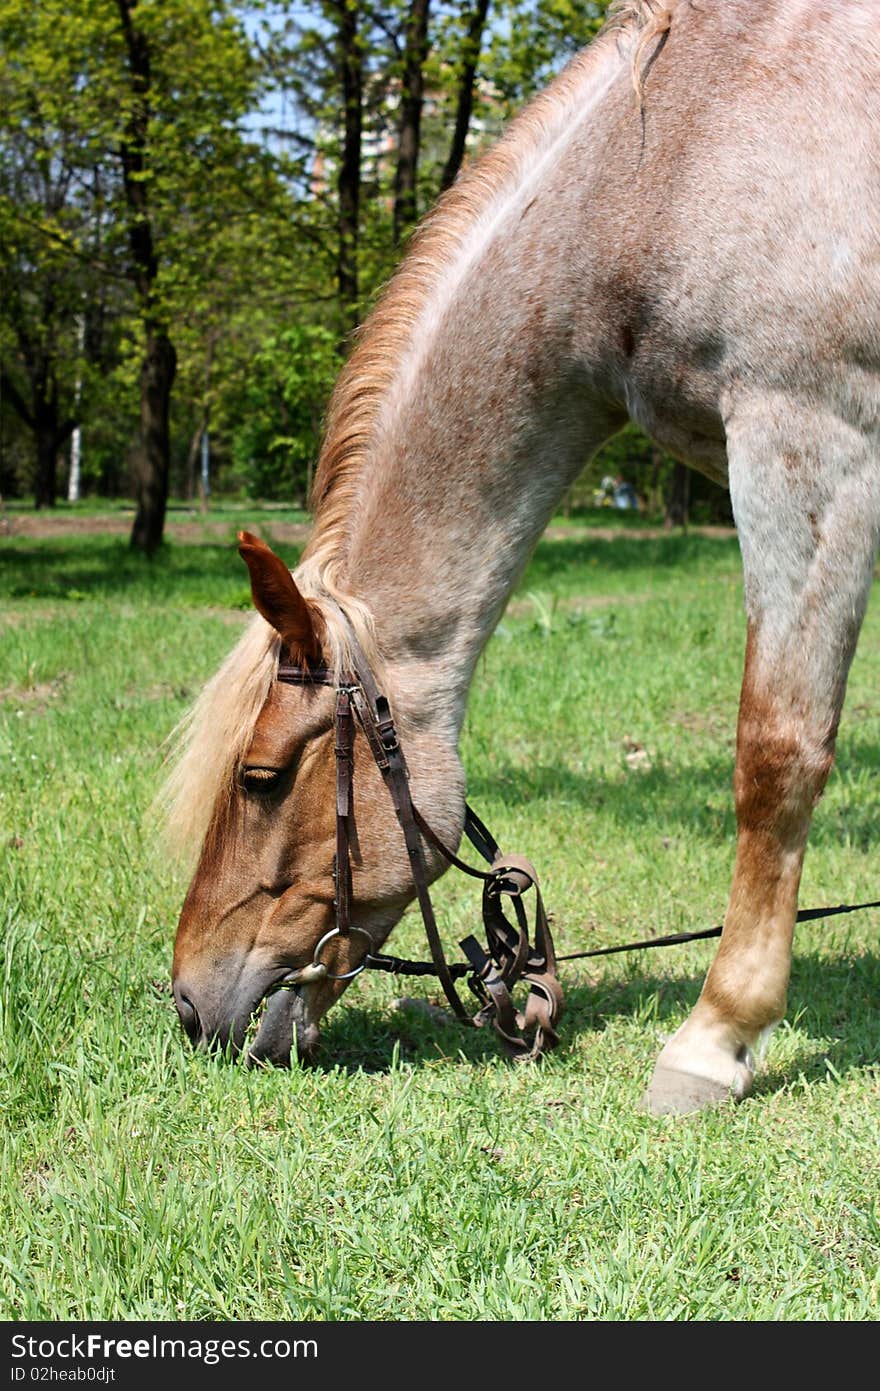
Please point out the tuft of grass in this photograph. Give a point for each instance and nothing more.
(414, 1173)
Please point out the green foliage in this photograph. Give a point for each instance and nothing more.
(243, 221)
(67, 101)
(533, 40)
(276, 442)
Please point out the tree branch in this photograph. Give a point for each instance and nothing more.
(472, 46)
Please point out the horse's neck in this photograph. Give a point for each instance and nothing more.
(438, 550)
(492, 412)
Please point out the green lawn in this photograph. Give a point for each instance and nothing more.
(414, 1173)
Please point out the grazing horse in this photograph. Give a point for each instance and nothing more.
(682, 230)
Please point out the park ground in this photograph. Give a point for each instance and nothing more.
(414, 1172)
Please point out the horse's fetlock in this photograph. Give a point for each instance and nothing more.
(747, 1003)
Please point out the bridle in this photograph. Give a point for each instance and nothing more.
(509, 956)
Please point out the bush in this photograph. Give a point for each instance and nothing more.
(278, 433)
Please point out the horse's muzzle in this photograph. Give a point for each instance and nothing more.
(286, 1024)
(282, 1016)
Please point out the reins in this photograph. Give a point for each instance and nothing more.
(509, 955)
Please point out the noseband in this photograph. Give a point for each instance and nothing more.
(508, 956)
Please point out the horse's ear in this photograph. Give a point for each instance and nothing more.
(277, 598)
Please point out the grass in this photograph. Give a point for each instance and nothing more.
(414, 1173)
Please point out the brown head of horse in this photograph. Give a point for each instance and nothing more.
(267, 883)
(698, 251)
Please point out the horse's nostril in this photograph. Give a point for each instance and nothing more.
(188, 1014)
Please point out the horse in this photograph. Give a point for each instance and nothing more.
(682, 230)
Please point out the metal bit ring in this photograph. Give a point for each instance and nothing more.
(345, 975)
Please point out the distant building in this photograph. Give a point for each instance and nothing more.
(379, 138)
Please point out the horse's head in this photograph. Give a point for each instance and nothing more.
(262, 897)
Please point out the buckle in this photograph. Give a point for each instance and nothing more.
(385, 726)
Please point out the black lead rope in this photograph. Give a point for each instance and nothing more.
(804, 915)
(461, 968)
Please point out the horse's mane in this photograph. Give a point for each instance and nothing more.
(210, 742)
(356, 404)
(651, 19)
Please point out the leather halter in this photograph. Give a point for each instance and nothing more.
(509, 956)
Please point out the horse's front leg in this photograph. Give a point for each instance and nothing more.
(807, 510)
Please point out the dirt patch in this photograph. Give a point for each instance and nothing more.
(648, 533)
(706, 722)
(522, 608)
(27, 618)
(45, 526)
(36, 697)
(234, 618)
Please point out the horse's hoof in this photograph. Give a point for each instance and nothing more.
(676, 1093)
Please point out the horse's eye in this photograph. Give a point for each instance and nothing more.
(259, 780)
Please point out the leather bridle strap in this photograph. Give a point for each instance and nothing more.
(382, 737)
(509, 956)
(344, 750)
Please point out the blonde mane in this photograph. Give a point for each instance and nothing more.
(208, 745)
(651, 20)
(357, 401)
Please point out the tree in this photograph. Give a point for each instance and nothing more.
(356, 77)
(159, 360)
(678, 496)
(187, 80)
(278, 434)
(350, 59)
(54, 283)
(464, 103)
(151, 98)
(37, 319)
(409, 125)
(133, 196)
(533, 42)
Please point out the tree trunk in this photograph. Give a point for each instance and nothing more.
(205, 470)
(655, 499)
(465, 104)
(679, 497)
(74, 481)
(46, 475)
(409, 126)
(41, 418)
(192, 459)
(153, 454)
(160, 360)
(349, 181)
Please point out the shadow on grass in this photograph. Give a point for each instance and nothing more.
(99, 567)
(629, 552)
(833, 1000)
(698, 797)
(104, 564)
